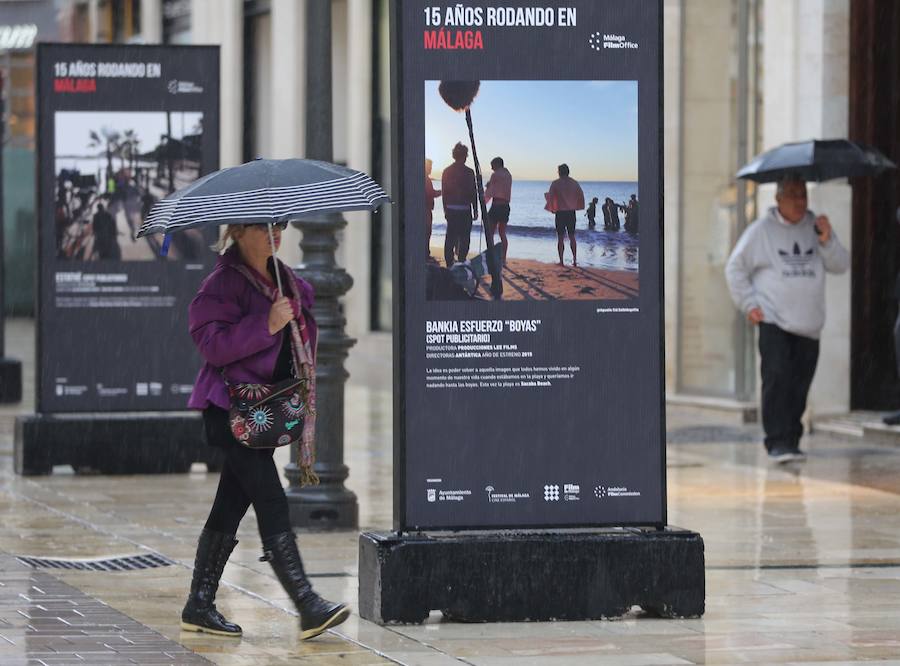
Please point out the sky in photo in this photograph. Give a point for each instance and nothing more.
(73, 128)
(535, 125)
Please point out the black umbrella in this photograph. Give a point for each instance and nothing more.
(264, 192)
(816, 160)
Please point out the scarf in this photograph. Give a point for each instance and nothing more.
(304, 362)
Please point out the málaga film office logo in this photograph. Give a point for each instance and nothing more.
(608, 40)
(177, 87)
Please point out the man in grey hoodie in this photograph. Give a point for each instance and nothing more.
(776, 275)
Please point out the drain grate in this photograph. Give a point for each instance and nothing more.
(124, 563)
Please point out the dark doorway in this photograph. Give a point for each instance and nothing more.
(875, 119)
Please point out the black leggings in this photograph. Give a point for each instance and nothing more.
(248, 477)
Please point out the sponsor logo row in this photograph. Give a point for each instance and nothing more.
(141, 389)
(552, 492)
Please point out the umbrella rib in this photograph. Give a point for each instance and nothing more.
(347, 190)
(325, 184)
(170, 226)
(186, 220)
(191, 205)
(265, 208)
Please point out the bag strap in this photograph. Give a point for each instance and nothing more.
(294, 383)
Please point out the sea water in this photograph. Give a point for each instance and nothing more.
(532, 230)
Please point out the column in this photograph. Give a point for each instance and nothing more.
(807, 65)
(287, 112)
(151, 21)
(222, 22)
(357, 244)
(329, 505)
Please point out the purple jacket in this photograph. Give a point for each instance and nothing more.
(229, 322)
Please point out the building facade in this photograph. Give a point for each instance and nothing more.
(741, 76)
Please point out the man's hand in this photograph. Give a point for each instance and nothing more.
(280, 314)
(823, 229)
(755, 316)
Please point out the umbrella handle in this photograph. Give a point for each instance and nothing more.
(275, 259)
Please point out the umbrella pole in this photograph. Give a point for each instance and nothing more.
(274, 258)
(493, 267)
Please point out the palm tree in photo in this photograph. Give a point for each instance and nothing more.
(108, 140)
(130, 143)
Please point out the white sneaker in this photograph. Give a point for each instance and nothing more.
(781, 456)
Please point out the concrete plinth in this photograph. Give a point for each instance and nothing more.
(125, 443)
(327, 506)
(509, 577)
(10, 379)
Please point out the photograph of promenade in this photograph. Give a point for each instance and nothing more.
(111, 167)
(560, 177)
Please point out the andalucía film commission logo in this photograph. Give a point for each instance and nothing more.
(602, 492)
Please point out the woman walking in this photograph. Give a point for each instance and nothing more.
(247, 332)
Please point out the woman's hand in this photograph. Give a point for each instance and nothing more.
(280, 314)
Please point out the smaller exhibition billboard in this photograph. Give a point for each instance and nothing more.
(119, 127)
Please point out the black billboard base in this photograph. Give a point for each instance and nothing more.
(537, 576)
(10, 379)
(117, 443)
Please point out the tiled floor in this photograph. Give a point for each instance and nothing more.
(803, 562)
(44, 621)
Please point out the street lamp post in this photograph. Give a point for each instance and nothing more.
(328, 505)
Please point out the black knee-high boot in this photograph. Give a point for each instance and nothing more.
(200, 614)
(316, 614)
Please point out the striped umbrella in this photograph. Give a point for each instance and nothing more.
(264, 192)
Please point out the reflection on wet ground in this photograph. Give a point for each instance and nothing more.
(803, 562)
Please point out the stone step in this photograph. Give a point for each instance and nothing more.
(865, 424)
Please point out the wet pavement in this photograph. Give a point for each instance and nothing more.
(803, 561)
(46, 621)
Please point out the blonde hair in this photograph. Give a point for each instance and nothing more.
(230, 236)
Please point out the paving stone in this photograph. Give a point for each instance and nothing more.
(74, 628)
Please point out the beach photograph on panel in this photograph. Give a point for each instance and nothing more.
(558, 163)
(111, 167)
